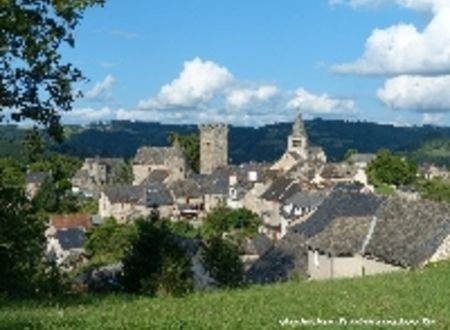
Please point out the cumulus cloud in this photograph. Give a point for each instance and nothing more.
(241, 98)
(102, 90)
(88, 115)
(307, 102)
(432, 119)
(402, 49)
(417, 93)
(198, 83)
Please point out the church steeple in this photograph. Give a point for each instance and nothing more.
(298, 129)
(297, 141)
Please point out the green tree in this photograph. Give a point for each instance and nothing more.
(156, 263)
(122, 174)
(34, 80)
(221, 260)
(21, 242)
(190, 144)
(11, 173)
(349, 153)
(110, 242)
(387, 168)
(237, 223)
(33, 146)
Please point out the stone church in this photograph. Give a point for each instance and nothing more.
(300, 156)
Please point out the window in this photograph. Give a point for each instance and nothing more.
(296, 143)
(316, 259)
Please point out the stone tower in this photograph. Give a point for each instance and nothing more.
(213, 147)
(298, 141)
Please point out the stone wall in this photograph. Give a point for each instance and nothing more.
(322, 266)
(213, 147)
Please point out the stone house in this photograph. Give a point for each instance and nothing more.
(298, 207)
(66, 236)
(188, 197)
(127, 203)
(33, 182)
(93, 174)
(401, 235)
(270, 204)
(214, 188)
(168, 159)
(288, 258)
(431, 171)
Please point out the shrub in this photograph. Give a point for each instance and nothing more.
(221, 260)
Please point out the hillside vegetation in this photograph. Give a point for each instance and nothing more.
(408, 295)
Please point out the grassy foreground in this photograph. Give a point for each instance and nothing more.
(409, 295)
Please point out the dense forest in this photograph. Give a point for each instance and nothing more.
(122, 138)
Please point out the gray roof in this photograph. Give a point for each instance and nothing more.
(286, 259)
(344, 236)
(105, 161)
(281, 189)
(303, 199)
(157, 194)
(155, 176)
(72, 238)
(156, 155)
(258, 245)
(409, 232)
(124, 193)
(37, 177)
(339, 203)
(213, 184)
(186, 188)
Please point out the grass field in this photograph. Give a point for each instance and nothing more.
(409, 295)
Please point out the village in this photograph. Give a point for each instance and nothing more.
(318, 220)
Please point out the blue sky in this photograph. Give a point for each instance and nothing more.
(255, 62)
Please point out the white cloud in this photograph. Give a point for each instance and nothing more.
(241, 98)
(432, 119)
(402, 49)
(420, 5)
(320, 104)
(101, 90)
(198, 83)
(88, 115)
(417, 93)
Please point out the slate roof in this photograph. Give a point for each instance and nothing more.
(287, 258)
(344, 236)
(304, 199)
(36, 177)
(124, 194)
(72, 238)
(105, 161)
(339, 203)
(258, 245)
(409, 232)
(157, 194)
(186, 188)
(215, 184)
(155, 176)
(156, 155)
(281, 189)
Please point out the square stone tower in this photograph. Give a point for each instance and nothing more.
(213, 147)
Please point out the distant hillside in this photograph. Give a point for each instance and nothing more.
(122, 138)
(414, 295)
(436, 151)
